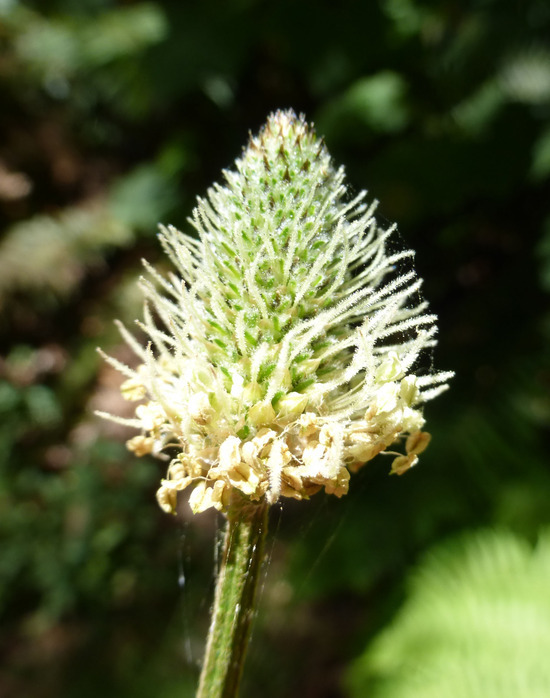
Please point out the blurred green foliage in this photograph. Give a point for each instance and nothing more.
(476, 622)
(115, 115)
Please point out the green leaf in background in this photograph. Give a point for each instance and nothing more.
(540, 167)
(372, 104)
(475, 624)
(50, 253)
(142, 198)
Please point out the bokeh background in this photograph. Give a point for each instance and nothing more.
(116, 115)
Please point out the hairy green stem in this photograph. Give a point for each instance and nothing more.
(234, 601)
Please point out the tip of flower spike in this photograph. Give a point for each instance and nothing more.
(282, 121)
(283, 353)
(283, 132)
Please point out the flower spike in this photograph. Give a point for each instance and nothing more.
(286, 351)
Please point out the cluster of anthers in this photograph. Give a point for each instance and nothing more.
(286, 350)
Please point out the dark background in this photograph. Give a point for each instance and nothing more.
(116, 115)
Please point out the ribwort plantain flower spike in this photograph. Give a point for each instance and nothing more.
(286, 350)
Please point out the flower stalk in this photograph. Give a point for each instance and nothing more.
(234, 602)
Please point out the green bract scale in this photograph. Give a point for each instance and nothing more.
(284, 349)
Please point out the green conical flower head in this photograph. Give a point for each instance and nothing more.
(284, 350)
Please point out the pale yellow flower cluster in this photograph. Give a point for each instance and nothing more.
(288, 348)
(294, 453)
